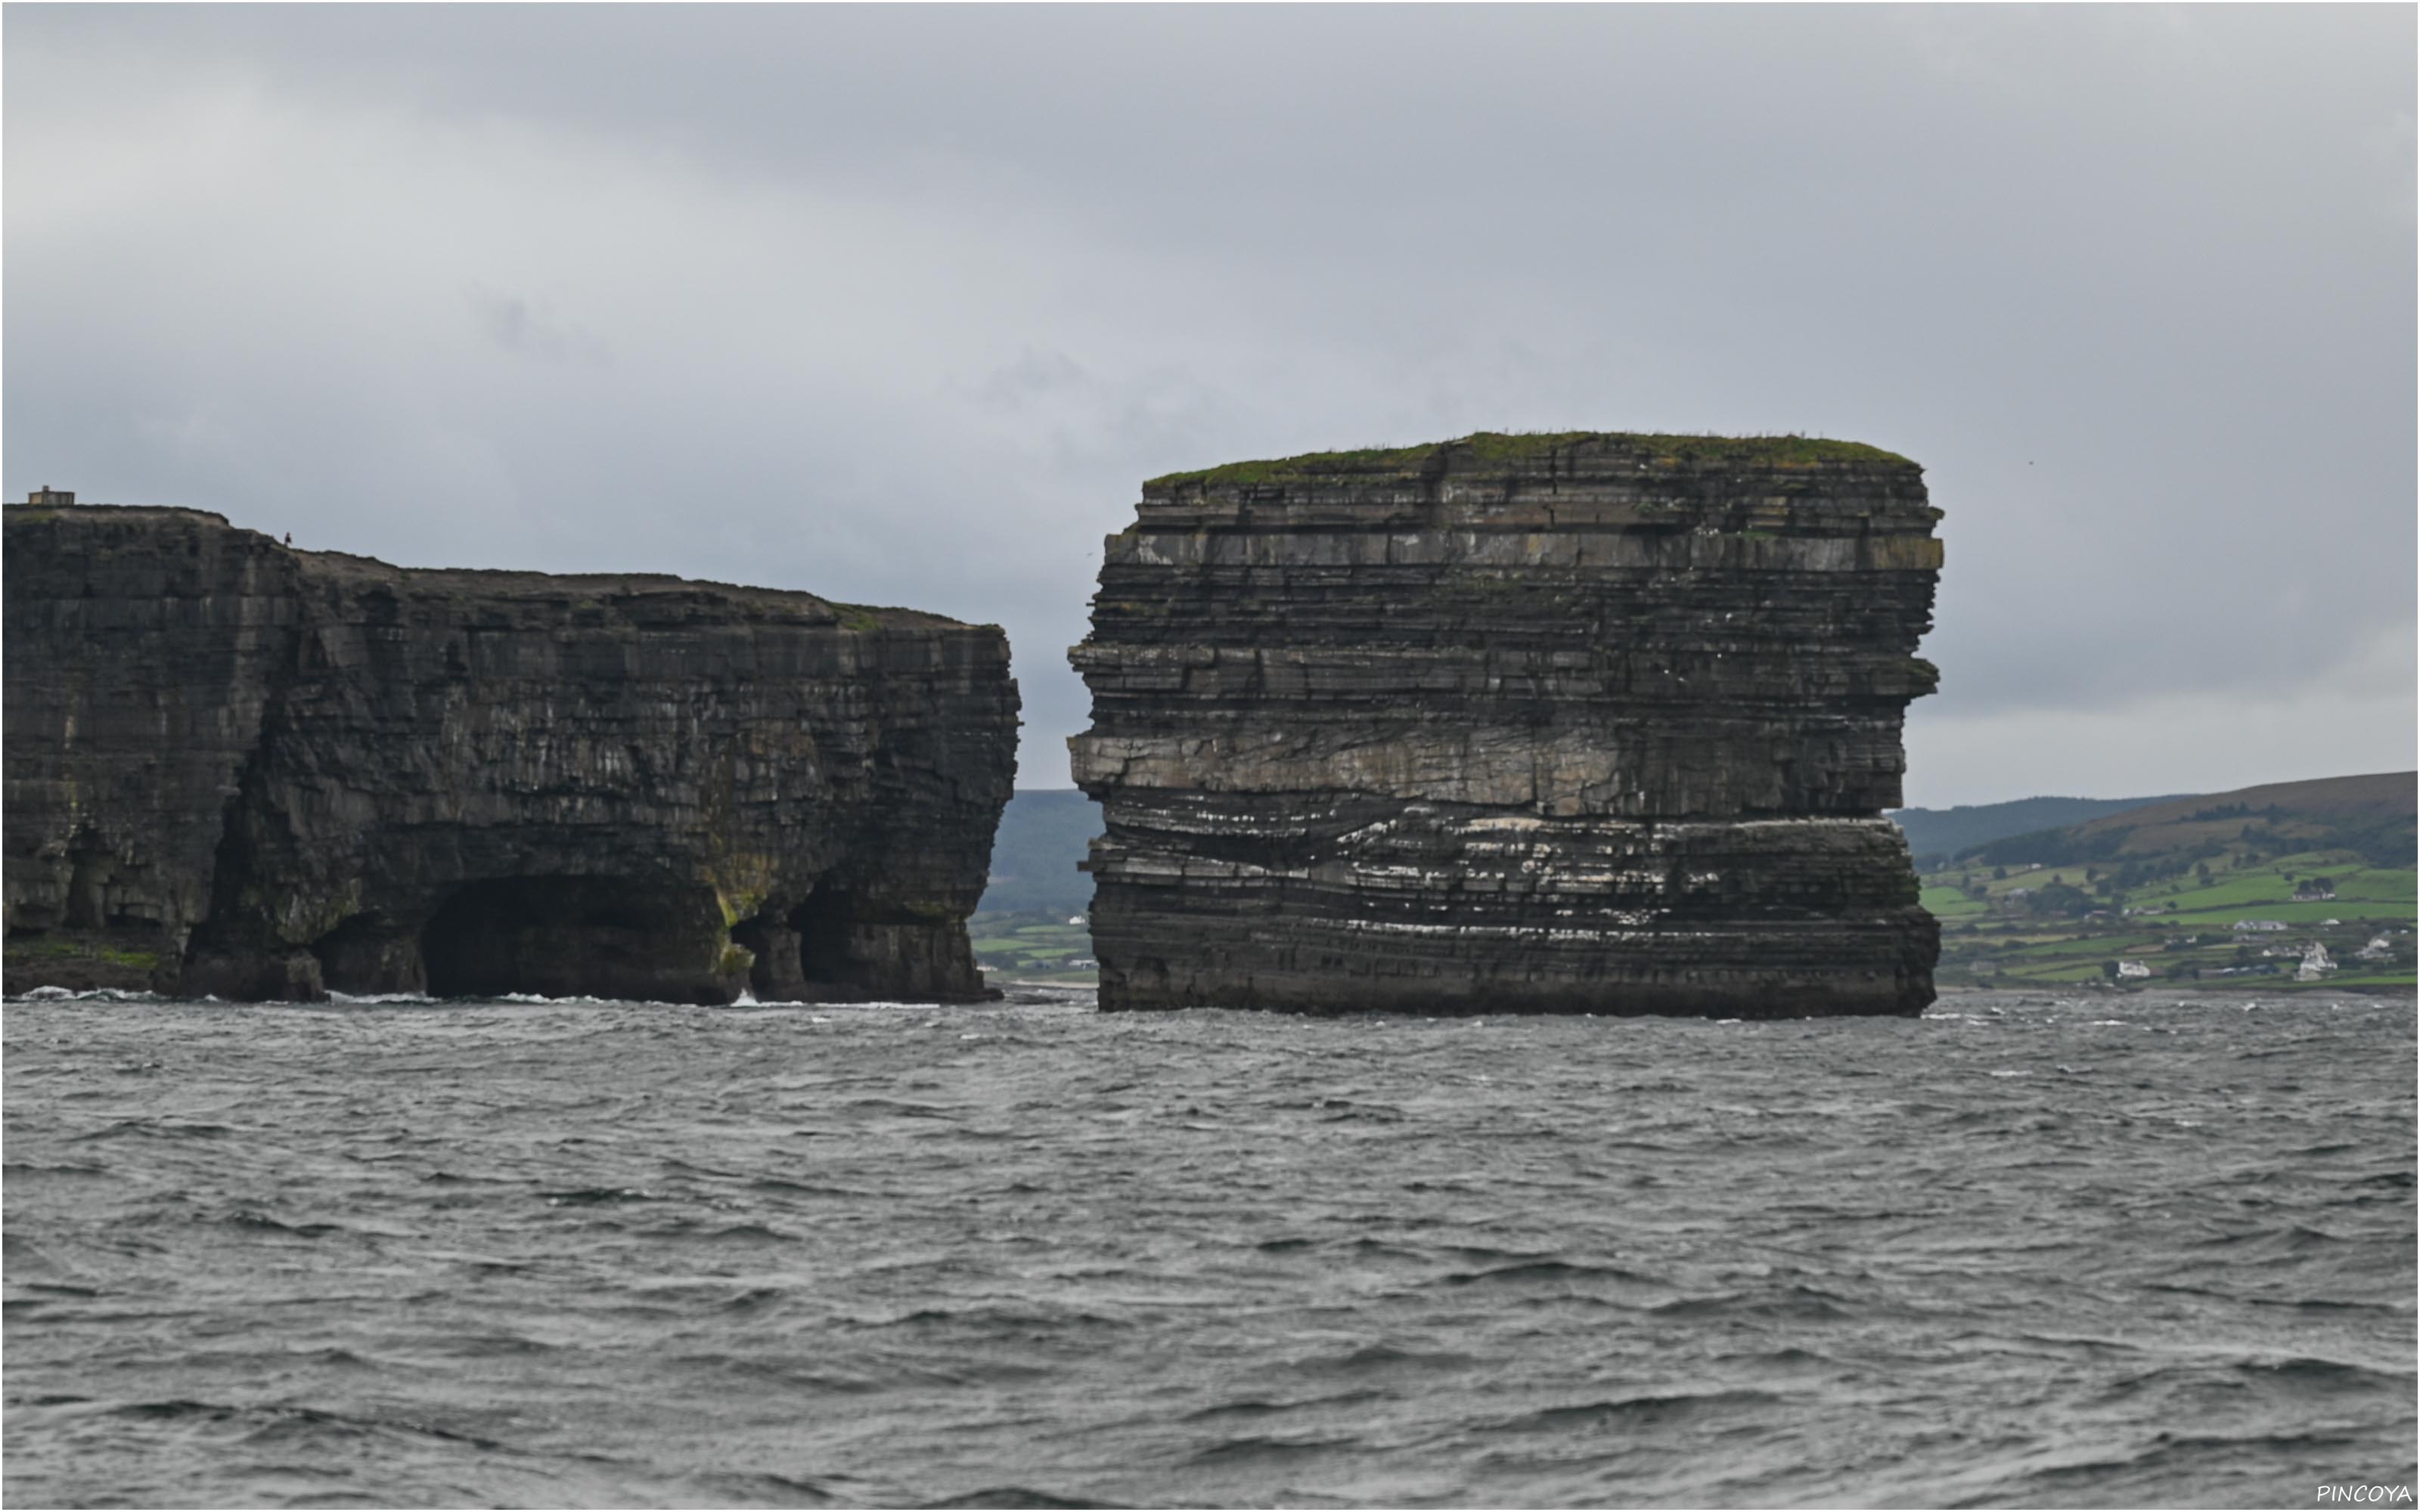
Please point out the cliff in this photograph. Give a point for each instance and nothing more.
(1576, 723)
(260, 772)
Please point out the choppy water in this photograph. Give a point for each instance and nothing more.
(2141, 1250)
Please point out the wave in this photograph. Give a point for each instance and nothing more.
(780, 1491)
(254, 1219)
(23, 1170)
(2288, 1238)
(1634, 1412)
(1797, 1303)
(997, 1319)
(268, 1423)
(1530, 1270)
(156, 1129)
(2310, 1374)
(894, 1107)
(1380, 1358)
(2156, 1459)
(586, 1196)
(1256, 1407)
(1015, 1496)
(1255, 1450)
(810, 1189)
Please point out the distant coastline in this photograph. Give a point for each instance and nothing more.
(2329, 828)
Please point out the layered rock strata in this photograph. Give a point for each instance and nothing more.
(240, 769)
(1579, 723)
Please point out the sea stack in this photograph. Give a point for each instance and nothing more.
(240, 769)
(1579, 723)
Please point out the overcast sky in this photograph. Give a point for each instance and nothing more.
(899, 305)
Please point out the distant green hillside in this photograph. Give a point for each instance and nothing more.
(2371, 817)
(2225, 887)
(1938, 835)
(1043, 834)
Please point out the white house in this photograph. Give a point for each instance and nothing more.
(2133, 968)
(2262, 926)
(2315, 964)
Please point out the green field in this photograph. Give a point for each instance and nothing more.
(2069, 925)
(1949, 903)
(1031, 946)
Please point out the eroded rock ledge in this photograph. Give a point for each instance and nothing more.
(1576, 723)
(260, 772)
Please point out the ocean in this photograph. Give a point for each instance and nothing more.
(2109, 1250)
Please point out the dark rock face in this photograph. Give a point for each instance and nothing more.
(240, 769)
(1583, 723)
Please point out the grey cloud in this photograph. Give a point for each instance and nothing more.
(512, 323)
(1035, 375)
(901, 303)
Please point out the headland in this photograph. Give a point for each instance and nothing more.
(240, 769)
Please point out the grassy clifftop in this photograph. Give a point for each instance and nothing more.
(1498, 446)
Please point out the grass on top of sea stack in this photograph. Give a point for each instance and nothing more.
(1498, 446)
